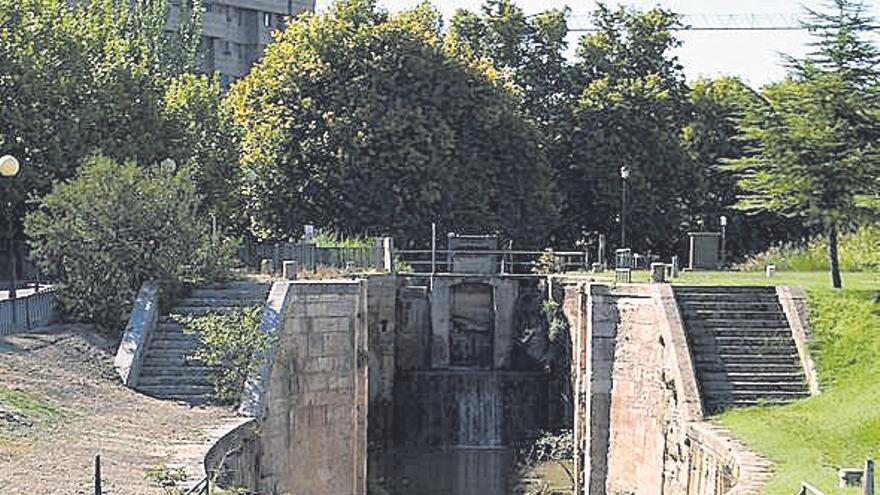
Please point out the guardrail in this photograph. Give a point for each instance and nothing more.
(308, 257)
(425, 261)
(24, 313)
(808, 489)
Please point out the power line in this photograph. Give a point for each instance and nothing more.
(717, 22)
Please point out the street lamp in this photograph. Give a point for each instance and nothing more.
(723, 239)
(9, 167)
(624, 174)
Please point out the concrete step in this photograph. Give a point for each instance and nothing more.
(169, 359)
(704, 323)
(766, 364)
(720, 387)
(244, 302)
(199, 311)
(233, 285)
(233, 293)
(724, 305)
(725, 350)
(727, 298)
(724, 289)
(760, 375)
(178, 335)
(184, 345)
(193, 369)
(176, 390)
(707, 314)
(747, 360)
(778, 332)
(708, 340)
(175, 380)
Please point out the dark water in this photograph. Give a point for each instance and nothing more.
(456, 471)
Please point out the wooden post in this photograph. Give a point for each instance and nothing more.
(868, 478)
(98, 490)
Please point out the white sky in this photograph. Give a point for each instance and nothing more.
(752, 55)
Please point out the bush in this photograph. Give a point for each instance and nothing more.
(232, 345)
(858, 252)
(110, 229)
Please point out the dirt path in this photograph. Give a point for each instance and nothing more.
(64, 404)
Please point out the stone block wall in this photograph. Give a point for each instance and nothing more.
(638, 424)
(313, 429)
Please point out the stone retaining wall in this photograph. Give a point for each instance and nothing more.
(638, 421)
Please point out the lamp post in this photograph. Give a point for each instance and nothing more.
(9, 168)
(723, 239)
(624, 174)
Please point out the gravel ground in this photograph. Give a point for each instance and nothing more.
(68, 371)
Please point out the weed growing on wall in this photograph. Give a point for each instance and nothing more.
(231, 345)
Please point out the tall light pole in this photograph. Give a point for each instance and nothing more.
(624, 174)
(723, 239)
(9, 168)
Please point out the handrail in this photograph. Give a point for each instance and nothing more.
(203, 487)
(808, 489)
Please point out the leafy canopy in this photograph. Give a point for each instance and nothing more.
(365, 123)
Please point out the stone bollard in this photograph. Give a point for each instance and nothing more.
(290, 270)
(771, 271)
(597, 267)
(849, 477)
(675, 269)
(267, 267)
(658, 273)
(868, 481)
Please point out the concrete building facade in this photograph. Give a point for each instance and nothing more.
(237, 31)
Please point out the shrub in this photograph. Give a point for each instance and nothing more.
(232, 345)
(858, 251)
(111, 228)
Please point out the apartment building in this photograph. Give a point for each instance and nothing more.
(237, 31)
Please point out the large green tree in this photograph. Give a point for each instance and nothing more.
(816, 154)
(77, 79)
(712, 139)
(368, 123)
(631, 112)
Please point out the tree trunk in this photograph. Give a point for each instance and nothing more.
(832, 255)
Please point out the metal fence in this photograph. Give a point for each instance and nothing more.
(24, 313)
(505, 261)
(308, 256)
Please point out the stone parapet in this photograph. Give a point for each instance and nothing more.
(794, 304)
(138, 331)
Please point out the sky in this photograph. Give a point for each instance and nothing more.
(752, 55)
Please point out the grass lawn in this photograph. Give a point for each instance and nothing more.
(859, 281)
(810, 439)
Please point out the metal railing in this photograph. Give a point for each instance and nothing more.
(308, 256)
(808, 489)
(425, 261)
(32, 310)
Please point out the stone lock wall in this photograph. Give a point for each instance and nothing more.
(314, 418)
(638, 423)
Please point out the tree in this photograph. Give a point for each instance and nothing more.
(77, 79)
(815, 152)
(110, 229)
(200, 135)
(366, 123)
(631, 111)
(712, 139)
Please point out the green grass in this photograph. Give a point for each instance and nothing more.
(20, 413)
(810, 439)
(858, 281)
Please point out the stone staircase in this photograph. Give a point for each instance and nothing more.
(742, 346)
(166, 372)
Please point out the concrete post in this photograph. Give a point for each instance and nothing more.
(267, 267)
(658, 273)
(290, 270)
(601, 253)
(388, 254)
(868, 481)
